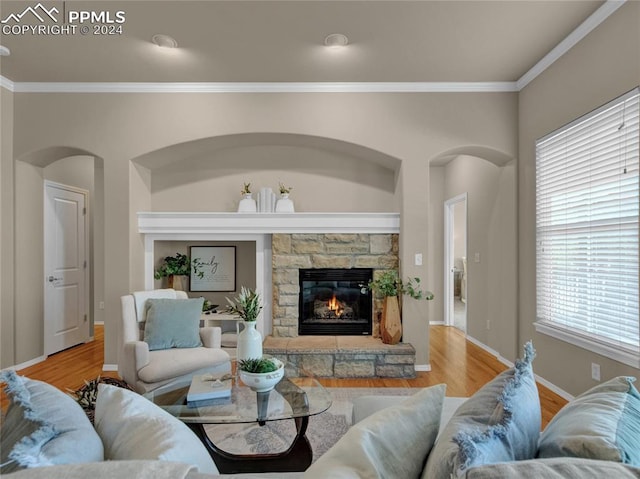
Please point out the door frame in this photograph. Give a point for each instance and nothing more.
(448, 254)
(87, 271)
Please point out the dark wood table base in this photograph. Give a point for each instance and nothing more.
(295, 459)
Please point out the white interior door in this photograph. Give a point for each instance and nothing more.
(66, 288)
(455, 248)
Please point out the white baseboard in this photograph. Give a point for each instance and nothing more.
(422, 367)
(552, 387)
(493, 352)
(436, 323)
(109, 367)
(26, 364)
(99, 322)
(549, 385)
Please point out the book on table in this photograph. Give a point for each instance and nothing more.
(203, 389)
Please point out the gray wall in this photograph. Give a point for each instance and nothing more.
(137, 138)
(599, 68)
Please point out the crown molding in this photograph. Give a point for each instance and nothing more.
(6, 83)
(274, 87)
(586, 27)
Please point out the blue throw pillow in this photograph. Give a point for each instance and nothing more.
(173, 323)
(44, 426)
(602, 423)
(500, 423)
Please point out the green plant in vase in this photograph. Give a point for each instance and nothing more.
(390, 286)
(246, 305)
(257, 365)
(176, 266)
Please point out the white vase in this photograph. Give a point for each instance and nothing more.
(249, 341)
(284, 204)
(266, 200)
(247, 204)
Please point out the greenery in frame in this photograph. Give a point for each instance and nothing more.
(246, 305)
(179, 265)
(257, 365)
(390, 284)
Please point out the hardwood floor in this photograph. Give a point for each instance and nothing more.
(460, 364)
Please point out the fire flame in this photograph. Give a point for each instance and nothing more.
(334, 305)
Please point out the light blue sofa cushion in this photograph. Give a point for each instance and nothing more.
(602, 423)
(173, 323)
(44, 426)
(501, 422)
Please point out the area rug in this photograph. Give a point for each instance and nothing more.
(276, 436)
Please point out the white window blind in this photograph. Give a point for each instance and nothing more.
(587, 231)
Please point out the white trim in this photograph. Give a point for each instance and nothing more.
(448, 255)
(109, 367)
(266, 223)
(422, 367)
(553, 388)
(98, 323)
(577, 339)
(26, 364)
(599, 16)
(492, 352)
(549, 385)
(6, 83)
(257, 87)
(436, 323)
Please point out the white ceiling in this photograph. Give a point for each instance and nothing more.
(281, 41)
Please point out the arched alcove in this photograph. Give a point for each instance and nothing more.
(74, 167)
(489, 180)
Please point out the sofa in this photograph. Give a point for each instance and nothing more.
(493, 434)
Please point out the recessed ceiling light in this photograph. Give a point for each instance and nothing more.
(4, 51)
(164, 41)
(336, 40)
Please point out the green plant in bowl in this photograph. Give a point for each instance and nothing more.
(257, 365)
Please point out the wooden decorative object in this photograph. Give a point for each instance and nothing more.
(391, 326)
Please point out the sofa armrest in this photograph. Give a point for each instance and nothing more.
(135, 356)
(211, 337)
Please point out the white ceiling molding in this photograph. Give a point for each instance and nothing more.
(275, 87)
(6, 83)
(599, 16)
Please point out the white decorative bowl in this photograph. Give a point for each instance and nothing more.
(263, 382)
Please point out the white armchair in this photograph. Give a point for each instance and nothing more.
(146, 370)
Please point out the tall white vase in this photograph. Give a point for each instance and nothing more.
(249, 341)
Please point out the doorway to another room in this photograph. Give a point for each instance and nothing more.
(455, 271)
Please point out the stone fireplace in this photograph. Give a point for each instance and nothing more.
(293, 253)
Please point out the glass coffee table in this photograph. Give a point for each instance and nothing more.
(296, 397)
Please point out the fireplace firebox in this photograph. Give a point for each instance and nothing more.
(335, 302)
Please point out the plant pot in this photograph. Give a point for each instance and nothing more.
(249, 341)
(390, 324)
(284, 204)
(263, 382)
(177, 282)
(247, 204)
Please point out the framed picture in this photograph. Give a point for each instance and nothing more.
(218, 263)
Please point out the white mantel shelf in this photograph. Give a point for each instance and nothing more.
(266, 223)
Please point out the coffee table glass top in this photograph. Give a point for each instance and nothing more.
(296, 395)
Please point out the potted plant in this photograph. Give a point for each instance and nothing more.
(177, 268)
(284, 204)
(248, 306)
(247, 204)
(390, 287)
(261, 374)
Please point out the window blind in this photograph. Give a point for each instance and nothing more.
(587, 204)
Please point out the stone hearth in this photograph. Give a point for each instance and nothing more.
(345, 356)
